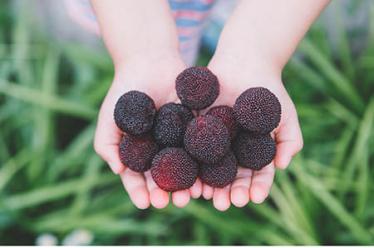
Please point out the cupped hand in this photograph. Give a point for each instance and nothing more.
(156, 77)
(249, 185)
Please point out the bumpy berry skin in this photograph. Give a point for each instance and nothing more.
(184, 111)
(170, 124)
(254, 151)
(207, 139)
(197, 87)
(257, 110)
(226, 115)
(173, 169)
(134, 113)
(137, 152)
(221, 174)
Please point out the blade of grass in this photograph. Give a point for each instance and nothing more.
(290, 219)
(361, 142)
(342, 113)
(51, 192)
(116, 206)
(103, 225)
(340, 83)
(333, 205)
(232, 227)
(317, 34)
(300, 212)
(98, 92)
(309, 75)
(12, 166)
(366, 128)
(72, 153)
(81, 54)
(341, 148)
(370, 41)
(21, 38)
(91, 174)
(43, 118)
(267, 212)
(343, 42)
(55, 103)
(201, 236)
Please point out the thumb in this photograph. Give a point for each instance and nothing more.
(289, 142)
(107, 139)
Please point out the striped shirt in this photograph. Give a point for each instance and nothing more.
(190, 18)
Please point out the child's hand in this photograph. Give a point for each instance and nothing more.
(236, 77)
(155, 77)
(254, 46)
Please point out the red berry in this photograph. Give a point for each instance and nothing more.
(170, 125)
(173, 169)
(257, 110)
(207, 139)
(137, 152)
(226, 115)
(197, 87)
(254, 151)
(220, 174)
(134, 113)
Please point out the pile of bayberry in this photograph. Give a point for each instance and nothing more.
(178, 145)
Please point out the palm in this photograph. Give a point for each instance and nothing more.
(255, 185)
(157, 80)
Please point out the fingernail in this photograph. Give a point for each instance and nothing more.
(239, 197)
(284, 162)
(258, 197)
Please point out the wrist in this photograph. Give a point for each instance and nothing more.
(237, 75)
(256, 56)
(250, 67)
(146, 60)
(142, 71)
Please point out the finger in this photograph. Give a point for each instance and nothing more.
(107, 139)
(109, 153)
(289, 142)
(207, 191)
(221, 198)
(197, 189)
(135, 186)
(240, 187)
(159, 198)
(181, 198)
(261, 183)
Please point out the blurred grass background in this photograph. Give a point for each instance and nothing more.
(51, 181)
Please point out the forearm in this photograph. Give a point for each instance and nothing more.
(132, 28)
(267, 32)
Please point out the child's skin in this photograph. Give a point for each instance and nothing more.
(256, 43)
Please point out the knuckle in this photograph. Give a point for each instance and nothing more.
(98, 148)
(299, 145)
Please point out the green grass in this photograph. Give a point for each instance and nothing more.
(51, 181)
